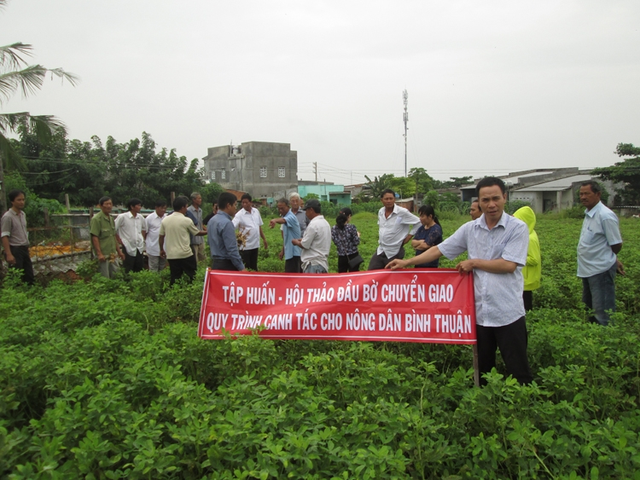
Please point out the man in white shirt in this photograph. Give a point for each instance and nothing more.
(316, 241)
(396, 227)
(153, 222)
(131, 230)
(249, 223)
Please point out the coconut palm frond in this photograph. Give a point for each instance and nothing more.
(30, 79)
(10, 158)
(43, 126)
(12, 56)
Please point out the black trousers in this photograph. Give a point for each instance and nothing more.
(223, 264)
(527, 298)
(131, 263)
(343, 263)
(378, 262)
(183, 266)
(23, 262)
(512, 342)
(250, 258)
(293, 265)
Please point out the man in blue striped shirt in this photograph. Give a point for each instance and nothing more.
(496, 244)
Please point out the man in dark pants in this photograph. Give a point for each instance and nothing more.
(497, 250)
(249, 224)
(290, 231)
(131, 232)
(600, 242)
(222, 236)
(15, 238)
(175, 241)
(396, 226)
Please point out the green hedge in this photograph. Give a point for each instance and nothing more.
(107, 379)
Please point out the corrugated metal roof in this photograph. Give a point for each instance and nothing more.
(555, 185)
(516, 178)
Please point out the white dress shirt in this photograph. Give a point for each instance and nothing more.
(316, 243)
(394, 229)
(153, 222)
(249, 223)
(129, 229)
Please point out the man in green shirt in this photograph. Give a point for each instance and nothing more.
(103, 239)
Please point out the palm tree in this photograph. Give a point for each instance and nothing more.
(16, 75)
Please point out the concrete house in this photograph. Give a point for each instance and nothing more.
(266, 170)
(326, 191)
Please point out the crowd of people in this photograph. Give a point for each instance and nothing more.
(503, 250)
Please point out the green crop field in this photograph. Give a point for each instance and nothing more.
(107, 379)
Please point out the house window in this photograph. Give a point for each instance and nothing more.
(223, 174)
(263, 172)
(213, 175)
(280, 172)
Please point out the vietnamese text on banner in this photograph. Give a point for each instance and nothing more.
(435, 306)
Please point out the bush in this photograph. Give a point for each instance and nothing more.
(107, 379)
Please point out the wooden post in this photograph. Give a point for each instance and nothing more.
(476, 367)
(91, 239)
(71, 233)
(3, 189)
(173, 197)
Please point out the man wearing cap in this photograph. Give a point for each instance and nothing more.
(316, 241)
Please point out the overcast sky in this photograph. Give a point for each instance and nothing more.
(494, 86)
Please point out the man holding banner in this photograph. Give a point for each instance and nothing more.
(497, 250)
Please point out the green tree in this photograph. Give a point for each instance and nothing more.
(403, 186)
(460, 181)
(17, 76)
(378, 185)
(626, 172)
(134, 168)
(210, 192)
(423, 181)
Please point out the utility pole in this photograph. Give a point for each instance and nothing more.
(315, 170)
(405, 98)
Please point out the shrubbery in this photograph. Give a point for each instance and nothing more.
(107, 379)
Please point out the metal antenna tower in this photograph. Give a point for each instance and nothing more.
(405, 98)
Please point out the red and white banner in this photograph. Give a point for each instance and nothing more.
(434, 306)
